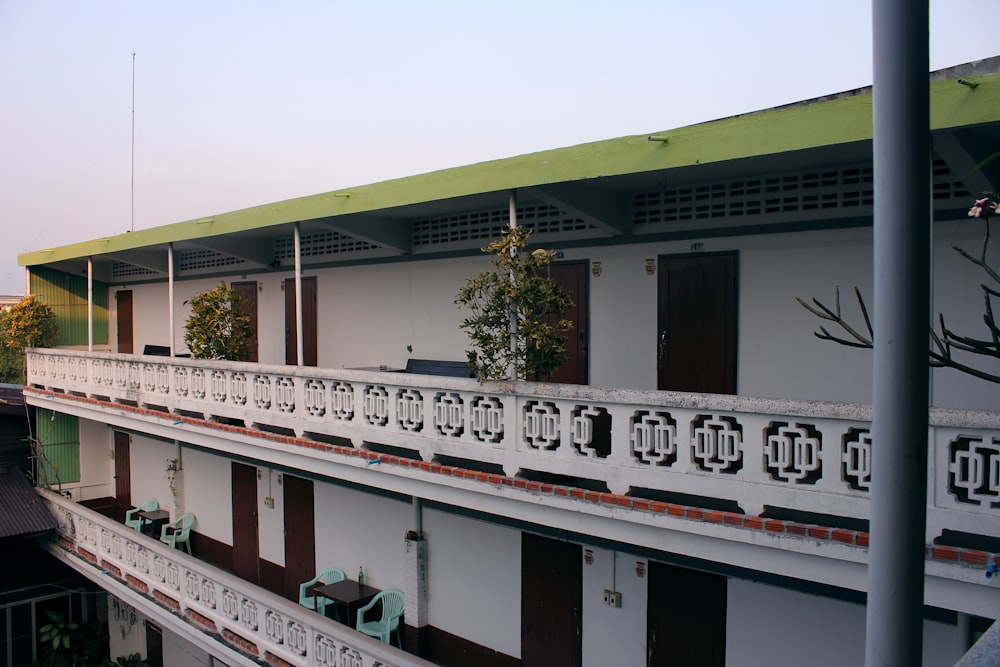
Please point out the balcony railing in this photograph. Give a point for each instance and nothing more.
(810, 456)
(249, 619)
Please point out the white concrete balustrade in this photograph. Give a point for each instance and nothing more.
(244, 616)
(810, 456)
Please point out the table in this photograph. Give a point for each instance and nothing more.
(153, 520)
(349, 594)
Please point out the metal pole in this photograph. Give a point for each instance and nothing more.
(90, 304)
(513, 315)
(901, 138)
(170, 294)
(300, 354)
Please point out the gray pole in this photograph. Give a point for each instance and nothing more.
(894, 626)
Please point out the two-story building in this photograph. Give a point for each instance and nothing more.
(694, 485)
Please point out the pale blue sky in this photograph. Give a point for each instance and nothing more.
(244, 103)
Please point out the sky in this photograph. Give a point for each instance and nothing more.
(241, 103)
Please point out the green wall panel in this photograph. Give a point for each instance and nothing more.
(67, 296)
(59, 447)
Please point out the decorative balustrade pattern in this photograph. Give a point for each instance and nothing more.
(277, 626)
(812, 457)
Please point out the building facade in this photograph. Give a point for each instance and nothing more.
(694, 480)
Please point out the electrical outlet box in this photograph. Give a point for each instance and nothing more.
(612, 598)
(269, 502)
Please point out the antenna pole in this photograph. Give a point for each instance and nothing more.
(133, 142)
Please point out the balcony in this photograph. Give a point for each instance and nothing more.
(761, 473)
(205, 604)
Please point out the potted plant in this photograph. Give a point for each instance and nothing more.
(516, 326)
(219, 325)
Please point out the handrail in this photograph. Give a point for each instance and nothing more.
(754, 452)
(251, 619)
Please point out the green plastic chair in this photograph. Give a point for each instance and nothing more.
(392, 608)
(135, 522)
(178, 532)
(329, 576)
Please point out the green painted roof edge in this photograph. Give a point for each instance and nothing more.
(840, 119)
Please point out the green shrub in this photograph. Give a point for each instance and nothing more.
(518, 297)
(28, 323)
(219, 326)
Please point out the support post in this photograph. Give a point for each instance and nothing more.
(90, 304)
(900, 391)
(512, 200)
(299, 338)
(170, 295)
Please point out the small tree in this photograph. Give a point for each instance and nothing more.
(28, 323)
(516, 312)
(219, 326)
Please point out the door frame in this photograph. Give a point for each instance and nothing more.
(730, 343)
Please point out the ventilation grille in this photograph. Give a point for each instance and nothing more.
(781, 193)
(124, 270)
(488, 225)
(827, 193)
(946, 186)
(317, 245)
(194, 260)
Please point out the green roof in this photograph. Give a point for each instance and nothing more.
(838, 119)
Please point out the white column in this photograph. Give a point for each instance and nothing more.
(300, 354)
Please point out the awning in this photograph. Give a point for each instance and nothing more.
(22, 511)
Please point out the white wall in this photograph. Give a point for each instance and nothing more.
(769, 625)
(474, 579)
(97, 464)
(368, 315)
(612, 635)
(208, 494)
(148, 462)
(355, 529)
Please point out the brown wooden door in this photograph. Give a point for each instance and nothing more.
(247, 291)
(696, 339)
(551, 595)
(309, 323)
(123, 473)
(123, 306)
(686, 618)
(246, 547)
(300, 534)
(572, 276)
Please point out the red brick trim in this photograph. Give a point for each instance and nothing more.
(167, 601)
(201, 621)
(240, 643)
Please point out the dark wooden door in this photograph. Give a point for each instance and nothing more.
(309, 323)
(123, 306)
(686, 618)
(696, 338)
(247, 291)
(572, 276)
(123, 474)
(551, 595)
(246, 547)
(300, 534)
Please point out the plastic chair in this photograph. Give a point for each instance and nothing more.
(135, 522)
(318, 602)
(392, 608)
(178, 532)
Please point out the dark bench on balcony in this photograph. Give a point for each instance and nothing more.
(457, 369)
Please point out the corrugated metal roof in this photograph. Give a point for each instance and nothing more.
(22, 511)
